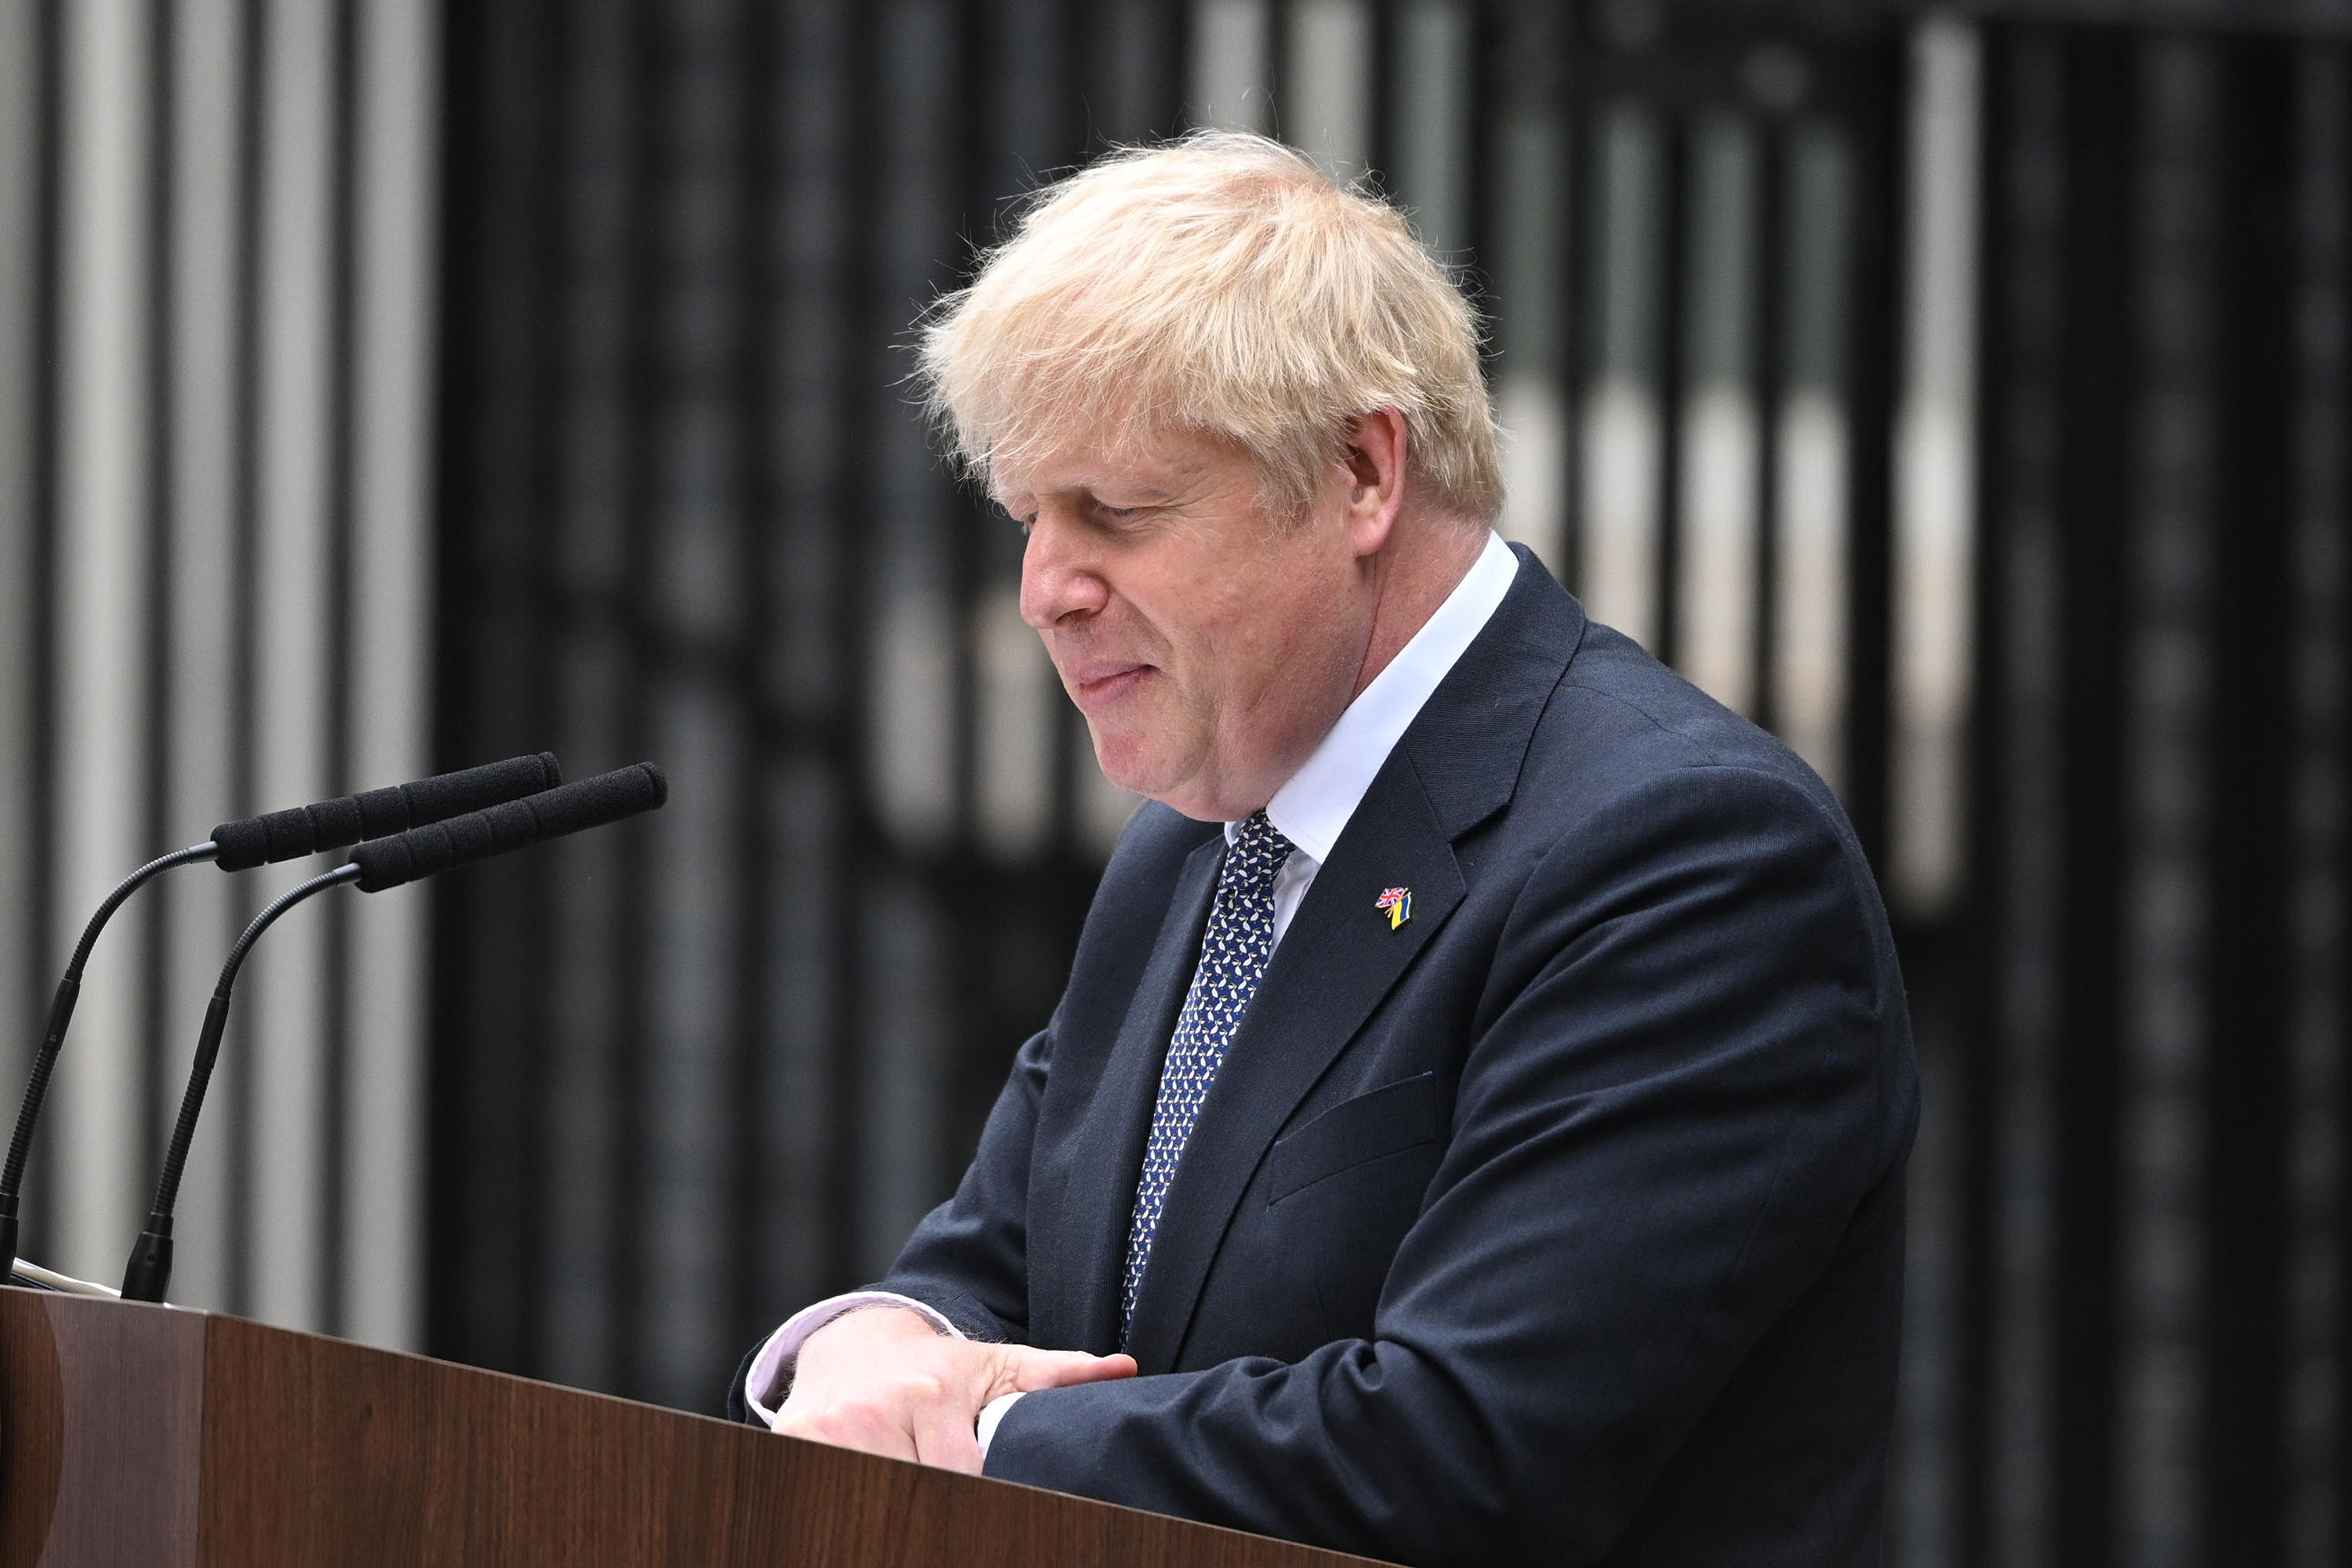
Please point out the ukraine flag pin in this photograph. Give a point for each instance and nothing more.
(1398, 902)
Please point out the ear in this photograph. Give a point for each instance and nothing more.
(1375, 460)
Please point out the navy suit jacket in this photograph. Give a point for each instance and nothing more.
(1563, 1224)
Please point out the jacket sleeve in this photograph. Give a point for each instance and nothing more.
(970, 1256)
(968, 1259)
(1683, 1078)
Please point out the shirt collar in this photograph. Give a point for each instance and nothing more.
(1313, 808)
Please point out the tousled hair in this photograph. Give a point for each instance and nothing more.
(1218, 285)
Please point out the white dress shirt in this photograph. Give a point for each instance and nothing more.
(1311, 811)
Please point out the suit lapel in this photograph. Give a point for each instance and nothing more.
(1085, 1267)
(1337, 960)
(1456, 766)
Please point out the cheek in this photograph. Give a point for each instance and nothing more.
(1235, 626)
(1289, 630)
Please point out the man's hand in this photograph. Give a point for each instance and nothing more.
(884, 1381)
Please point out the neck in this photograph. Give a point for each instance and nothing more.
(1415, 575)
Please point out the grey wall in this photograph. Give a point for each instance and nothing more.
(215, 305)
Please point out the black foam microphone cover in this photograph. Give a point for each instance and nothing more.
(518, 824)
(331, 823)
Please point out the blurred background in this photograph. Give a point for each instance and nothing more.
(389, 386)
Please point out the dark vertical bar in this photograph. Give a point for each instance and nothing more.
(467, 33)
(1580, 145)
(2315, 1154)
(1770, 293)
(1970, 1165)
(859, 288)
(1976, 1080)
(1174, 22)
(163, 212)
(634, 1319)
(1382, 84)
(2097, 474)
(2327, 435)
(42, 961)
(510, 1121)
(1025, 72)
(1673, 327)
(699, 623)
(1091, 35)
(1135, 87)
(759, 318)
(1119, 75)
(912, 1041)
(2166, 1392)
(1880, 144)
(2252, 853)
(971, 171)
(499, 273)
(586, 581)
(2013, 239)
(2012, 979)
(252, 126)
(342, 328)
(1104, 76)
(1277, 67)
(807, 605)
(1490, 41)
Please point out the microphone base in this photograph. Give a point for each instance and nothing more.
(151, 1268)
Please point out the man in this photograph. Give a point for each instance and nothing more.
(1475, 1127)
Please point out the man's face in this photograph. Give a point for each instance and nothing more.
(1208, 646)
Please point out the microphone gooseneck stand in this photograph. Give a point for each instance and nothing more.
(378, 864)
(150, 1259)
(239, 847)
(62, 1009)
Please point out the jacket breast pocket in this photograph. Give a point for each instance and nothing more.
(1354, 1133)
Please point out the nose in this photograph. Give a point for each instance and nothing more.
(1060, 577)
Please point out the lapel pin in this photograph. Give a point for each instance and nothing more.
(1398, 902)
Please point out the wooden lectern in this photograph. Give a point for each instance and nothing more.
(142, 1435)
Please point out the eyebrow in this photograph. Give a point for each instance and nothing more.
(1090, 489)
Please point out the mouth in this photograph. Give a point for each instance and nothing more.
(1097, 685)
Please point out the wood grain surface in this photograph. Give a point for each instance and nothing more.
(99, 1410)
(435, 1463)
(312, 1450)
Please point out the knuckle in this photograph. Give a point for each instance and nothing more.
(863, 1411)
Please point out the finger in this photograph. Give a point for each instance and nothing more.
(1030, 1370)
(943, 1438)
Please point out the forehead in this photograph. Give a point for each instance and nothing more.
(1102, 455)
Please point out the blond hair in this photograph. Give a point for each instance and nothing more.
(1218, 285)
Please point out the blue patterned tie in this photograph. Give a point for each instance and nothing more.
(1233, 951)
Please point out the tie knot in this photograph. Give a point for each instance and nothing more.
(1256, 855)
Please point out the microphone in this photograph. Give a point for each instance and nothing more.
(237, 846)
(517, 825)
(333, 824)
(374, 865)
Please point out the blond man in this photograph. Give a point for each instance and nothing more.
(1474, 1128)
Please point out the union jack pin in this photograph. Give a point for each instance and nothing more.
(1398, 902)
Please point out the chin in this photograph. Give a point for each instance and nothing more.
(1128, 770)
(1134, 764)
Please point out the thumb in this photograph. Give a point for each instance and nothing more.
(1027, 1370)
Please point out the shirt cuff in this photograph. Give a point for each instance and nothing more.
(769, 1379)
(991, 1415)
